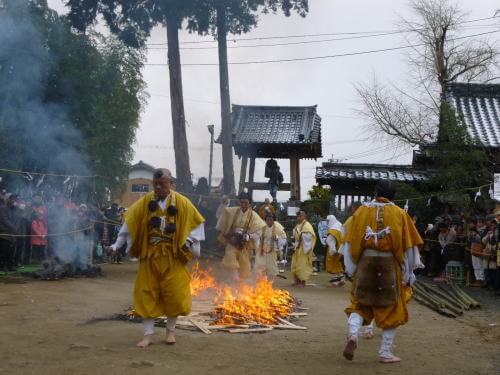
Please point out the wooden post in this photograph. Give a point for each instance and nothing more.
(297, 176)
(251, 174)
(211, 131)
(294, 180)
(243, 174)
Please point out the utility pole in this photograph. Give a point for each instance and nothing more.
(211, 131)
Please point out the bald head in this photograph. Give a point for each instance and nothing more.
(162, 172)
(162, 183)
(301, 216)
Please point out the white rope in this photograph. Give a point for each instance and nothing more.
(369, 233)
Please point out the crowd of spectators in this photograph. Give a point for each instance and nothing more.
(475, 244)
(32, 229)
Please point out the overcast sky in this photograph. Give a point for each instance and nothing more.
(325, 82)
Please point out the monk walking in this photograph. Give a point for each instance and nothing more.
(305, 239)
(381, 253)
(239, 229)
(163, 230)
(334, 261)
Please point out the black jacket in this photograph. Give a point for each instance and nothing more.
(8, 222)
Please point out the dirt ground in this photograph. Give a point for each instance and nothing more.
(43, 331)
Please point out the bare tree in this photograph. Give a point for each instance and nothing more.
(389, 113)
(441, 53)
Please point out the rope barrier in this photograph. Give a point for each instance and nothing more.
(209, 197)
(46, 235)
(48, 174)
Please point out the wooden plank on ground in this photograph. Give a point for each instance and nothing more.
(289, 327)
(215, 328)
(298, 314)
(185, 323)
(286, 322)
(250, 330)
(201, 327)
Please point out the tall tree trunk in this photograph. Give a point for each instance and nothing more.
(182, 168)
(225, 102)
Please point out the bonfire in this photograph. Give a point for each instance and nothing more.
(201, 280)
(252, 304)
(241, 309)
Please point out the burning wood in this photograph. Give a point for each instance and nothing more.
(244, 309)
(258, 304)
(201, 280)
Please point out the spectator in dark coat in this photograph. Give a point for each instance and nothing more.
(8, 222)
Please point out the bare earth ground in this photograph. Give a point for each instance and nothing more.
(42, 331)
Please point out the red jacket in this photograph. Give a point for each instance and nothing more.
(39, 229)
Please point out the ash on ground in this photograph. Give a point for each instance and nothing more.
(56, 269)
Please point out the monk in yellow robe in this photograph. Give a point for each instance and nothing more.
(270, 248)
(163, 230)
(305, 239)
(239, 229)
(348, 222)
(266, 209)
(334, 260)
(367, 330)
(381, 254)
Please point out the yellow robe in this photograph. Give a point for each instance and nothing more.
(266, 257)
(403, 235)
(302, 263)
(262, 211)
(162, 283)
(334, 263)
(347, 228)
(234, 219)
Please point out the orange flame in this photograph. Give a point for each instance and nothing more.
(201, 280)
(260, 304)
(246, 304)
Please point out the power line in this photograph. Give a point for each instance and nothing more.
(365, 153)
(283, 44)
(304, 41)
(346, 141)
(217, 103)
(326, 56)
(394, 156)
(339, 116)
(188, 99)
(234, 40)
(311, 35)
(158, 147)
(297, 59)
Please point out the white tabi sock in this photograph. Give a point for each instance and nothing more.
(369, 328)
(149, 326)
(354, 323)
(171, 324)
(386, 343)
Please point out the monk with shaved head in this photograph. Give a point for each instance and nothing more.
(163, 230)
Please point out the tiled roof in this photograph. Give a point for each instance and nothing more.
(329, 172)
(264, 126)
(143, 166)
(479, 104)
